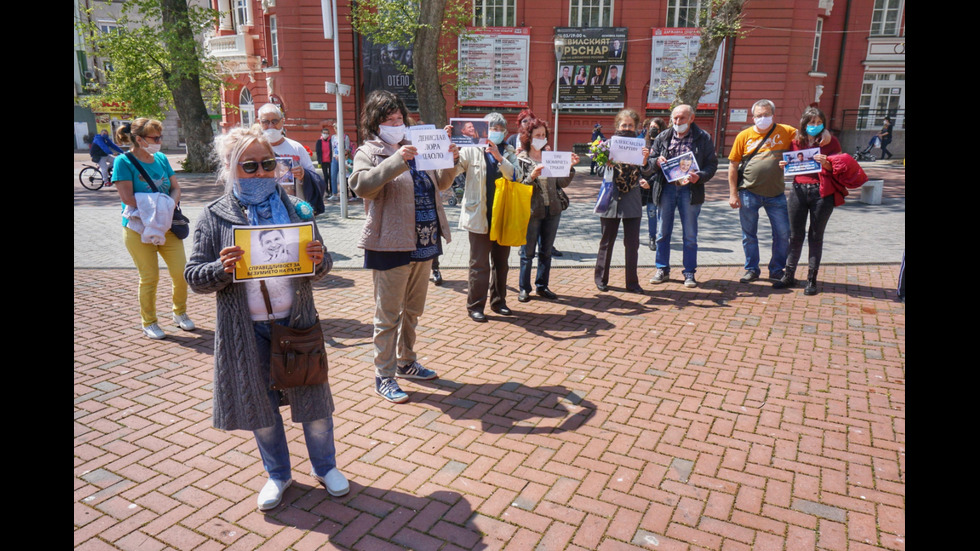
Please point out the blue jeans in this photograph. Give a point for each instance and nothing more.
(272, 440)
(678, 197)
(334, 173)
(748, 215)
(541, 234)
(652, 219)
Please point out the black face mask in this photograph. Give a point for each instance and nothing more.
(626, 133)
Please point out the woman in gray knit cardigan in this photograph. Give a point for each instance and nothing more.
(242, 396)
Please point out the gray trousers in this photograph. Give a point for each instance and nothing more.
(399, 298)
(488, 270)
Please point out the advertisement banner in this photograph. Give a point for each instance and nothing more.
(672, 52)
(592, 67)
(493, 62)
(383, 67)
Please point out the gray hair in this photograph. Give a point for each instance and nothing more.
(231, 145)
(271, 108)
(495, 119)
(764, 103)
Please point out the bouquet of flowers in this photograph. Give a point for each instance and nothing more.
(599, 152)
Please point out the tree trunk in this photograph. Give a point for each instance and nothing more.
(432, 104)
(184, 84)
(722, 21)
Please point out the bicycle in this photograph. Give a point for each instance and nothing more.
(91, 177)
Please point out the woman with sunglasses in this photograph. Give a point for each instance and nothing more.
(242, 397)
(145, 135)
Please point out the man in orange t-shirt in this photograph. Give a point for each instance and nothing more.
(761, 187)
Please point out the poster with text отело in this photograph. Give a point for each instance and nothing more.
(493, 64)
(384, 65)
(592, 67)
(673, 50)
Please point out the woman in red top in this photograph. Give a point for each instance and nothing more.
(805, 200)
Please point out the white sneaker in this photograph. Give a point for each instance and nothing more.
(184, 322)
(271, 493)
(154, 332)
(335, 482)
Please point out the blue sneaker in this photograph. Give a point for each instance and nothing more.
(416, 371)
(388, 388)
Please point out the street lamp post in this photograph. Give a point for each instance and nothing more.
(559, 50)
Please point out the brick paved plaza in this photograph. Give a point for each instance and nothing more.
(726, 417)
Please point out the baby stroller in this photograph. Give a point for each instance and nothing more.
(455, 192)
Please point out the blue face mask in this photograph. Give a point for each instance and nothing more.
(497, 136)
(814, 130)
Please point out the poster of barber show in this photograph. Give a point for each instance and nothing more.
(591, 70)
(273, 251)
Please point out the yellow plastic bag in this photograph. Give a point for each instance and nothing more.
(511, 212)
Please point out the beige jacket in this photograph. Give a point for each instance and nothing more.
(473, 214)
(383, 180)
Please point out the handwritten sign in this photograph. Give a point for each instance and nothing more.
(626, 150)
(433, 149)
(557, 164)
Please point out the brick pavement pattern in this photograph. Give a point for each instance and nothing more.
(727, 417)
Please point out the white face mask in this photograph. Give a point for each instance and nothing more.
(762, 123)
(391, 134)
(539, 143)
(681, 128)
(152, 148)
(273, 134)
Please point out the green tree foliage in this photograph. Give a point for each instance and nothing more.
(431, 27)
(159, 63)
(720, 19)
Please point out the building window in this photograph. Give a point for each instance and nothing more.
(590, 13)
(495, 13)
(274, 38)
(241, 14)
(246, 108)
(683, 13)
(885, 17)
(106, 27)
(882, 94)
(816, 46)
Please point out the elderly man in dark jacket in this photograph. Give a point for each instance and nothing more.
(685, 195)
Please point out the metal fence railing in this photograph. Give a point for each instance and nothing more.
(872, 119)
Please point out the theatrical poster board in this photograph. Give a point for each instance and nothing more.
(494, 61)
(672, 50)
(382, 66)
(592, 67)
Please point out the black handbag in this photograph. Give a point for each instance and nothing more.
(299, 356)
(181, 225)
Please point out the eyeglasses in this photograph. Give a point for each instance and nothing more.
(154, 139)
(270, 122)
(250, 167)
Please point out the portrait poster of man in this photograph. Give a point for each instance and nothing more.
(680, 167)
(284, 171)
(469, 132)
(273, 251)
(801, 162)
(388, 67)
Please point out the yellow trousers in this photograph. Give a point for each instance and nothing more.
(145, 257)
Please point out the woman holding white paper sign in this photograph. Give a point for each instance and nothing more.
(626, 205)
(488, 259)
(546, 209)
(805, 200)
(246, 312)
(403, 231)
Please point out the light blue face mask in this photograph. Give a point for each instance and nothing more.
(814, 130)
(497, 136)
